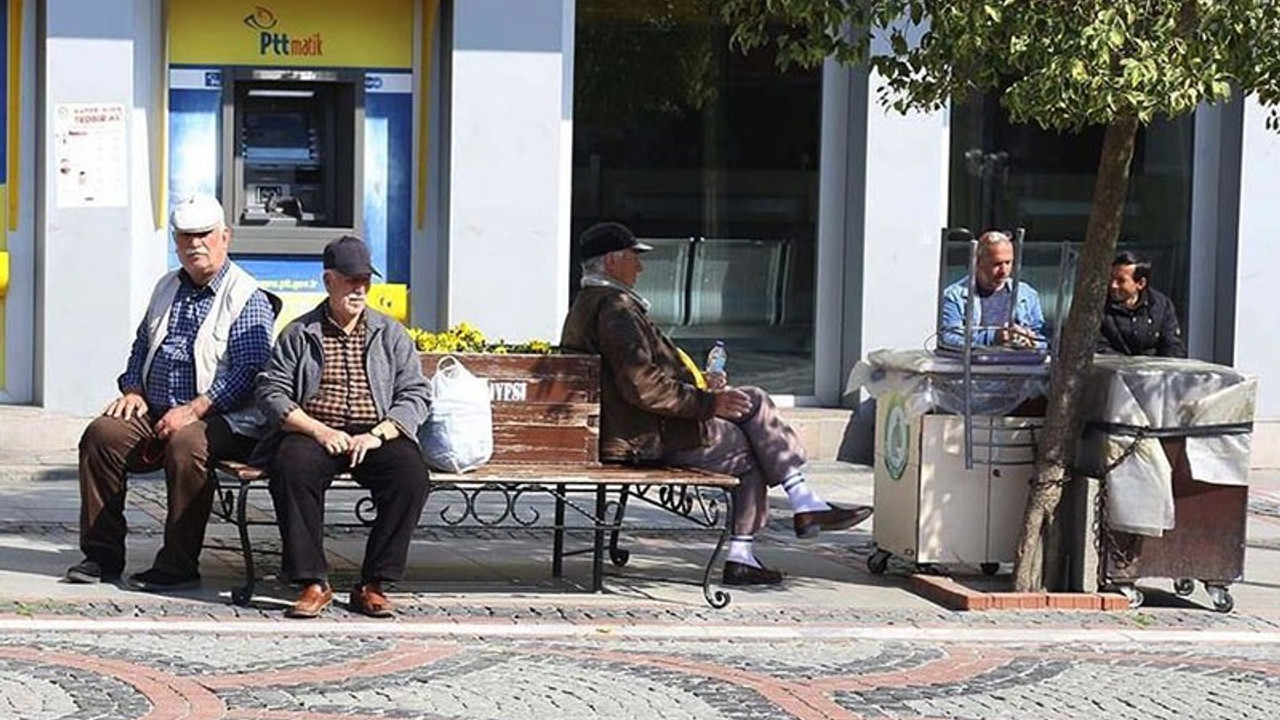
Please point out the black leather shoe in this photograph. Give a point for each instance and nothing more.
(155, 580)
(736, 573)
(810, 524)
(89, 571)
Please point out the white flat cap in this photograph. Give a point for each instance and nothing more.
(197, 214)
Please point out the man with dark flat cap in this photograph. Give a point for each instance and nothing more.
(653, 411)
(186, 402)
(344, 391)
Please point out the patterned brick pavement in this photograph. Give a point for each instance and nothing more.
(241, 676)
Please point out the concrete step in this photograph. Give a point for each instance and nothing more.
(823, 431)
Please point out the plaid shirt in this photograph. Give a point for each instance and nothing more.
(343, 399)
(171, 380)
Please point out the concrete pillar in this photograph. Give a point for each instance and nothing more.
(1256, 349)
(906, 187)
(96, 262)
(509, 169)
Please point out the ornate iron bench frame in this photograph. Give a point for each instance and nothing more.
(598, 493)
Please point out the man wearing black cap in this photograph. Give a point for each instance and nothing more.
(652, 410)
(345, 392)
(186, 401)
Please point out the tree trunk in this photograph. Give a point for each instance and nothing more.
(1074, 354)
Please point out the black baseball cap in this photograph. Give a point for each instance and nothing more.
(606, 237)
(349, 255)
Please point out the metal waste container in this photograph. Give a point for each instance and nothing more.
(932, 506)
(1170, 442)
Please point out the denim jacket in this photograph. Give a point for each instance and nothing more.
(1028, 314)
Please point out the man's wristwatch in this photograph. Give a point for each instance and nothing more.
(378, 433)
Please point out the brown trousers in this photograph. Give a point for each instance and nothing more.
(112, 448)
(760, 449)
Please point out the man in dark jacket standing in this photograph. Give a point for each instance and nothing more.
(652, 410)
(344, 390)
(1138, 320)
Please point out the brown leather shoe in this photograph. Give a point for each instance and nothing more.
(809, 524)
(368, 599)
(314, 598)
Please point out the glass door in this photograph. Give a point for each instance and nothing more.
(712, 157)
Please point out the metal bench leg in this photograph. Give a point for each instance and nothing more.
(597, 545)
(557, 539)
(617, 555)
(718, 598)
(242, 596)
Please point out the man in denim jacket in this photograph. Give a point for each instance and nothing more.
(991, 312)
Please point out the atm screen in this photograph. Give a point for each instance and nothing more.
(278, 136)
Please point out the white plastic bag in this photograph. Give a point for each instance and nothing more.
(458, 433)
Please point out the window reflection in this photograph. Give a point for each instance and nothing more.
(1006, 175)
(712, 157)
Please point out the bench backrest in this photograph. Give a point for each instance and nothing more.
(546, 408)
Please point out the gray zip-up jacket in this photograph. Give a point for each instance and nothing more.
(292, 376)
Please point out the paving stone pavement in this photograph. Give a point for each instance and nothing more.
(481, 633)
(165, 674)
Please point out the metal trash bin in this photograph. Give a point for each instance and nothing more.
(1170, 441)
(931, 509)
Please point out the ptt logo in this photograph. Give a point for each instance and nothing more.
(261, 19)
(265, 22)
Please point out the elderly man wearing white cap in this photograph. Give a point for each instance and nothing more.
(186, 400)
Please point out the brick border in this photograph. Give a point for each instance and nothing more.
(955, 596)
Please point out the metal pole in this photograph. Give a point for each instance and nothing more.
(966, 360)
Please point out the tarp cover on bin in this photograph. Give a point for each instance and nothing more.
(1211, 406)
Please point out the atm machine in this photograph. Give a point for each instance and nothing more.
(300, 149)
(291, 139)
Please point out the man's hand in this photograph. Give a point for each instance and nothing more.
(1016, 336)
(361, 444)
(127, 407)
(334, 442)
(732, 404)
(174, 420)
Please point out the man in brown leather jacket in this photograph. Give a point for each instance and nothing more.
(652, 411)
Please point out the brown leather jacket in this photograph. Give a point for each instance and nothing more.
(648, 403)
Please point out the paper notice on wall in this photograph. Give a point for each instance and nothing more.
(90, 155)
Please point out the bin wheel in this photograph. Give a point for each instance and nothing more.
(241, 596)
(989, 569)
(1183, 586)
(1222, 600)
(878, 562)
(1133, 595)
(929, 569)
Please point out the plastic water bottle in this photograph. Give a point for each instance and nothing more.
(716, 358)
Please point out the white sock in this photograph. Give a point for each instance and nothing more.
(740, 550)
(802, 497)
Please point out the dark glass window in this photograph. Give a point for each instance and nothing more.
(712, 157)
(1006, 175)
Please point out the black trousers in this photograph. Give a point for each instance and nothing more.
(302, 471)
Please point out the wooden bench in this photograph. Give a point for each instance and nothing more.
(546, 413)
